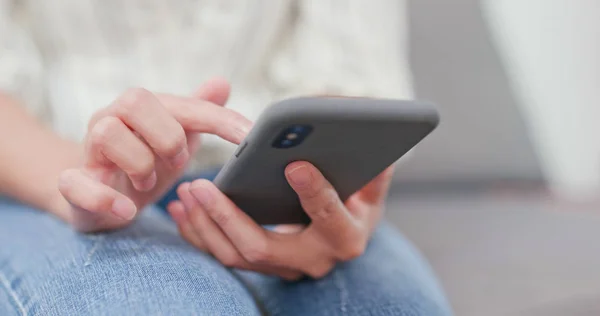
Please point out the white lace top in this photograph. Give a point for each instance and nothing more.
(67, 58)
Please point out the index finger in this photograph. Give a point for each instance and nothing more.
(204, 117)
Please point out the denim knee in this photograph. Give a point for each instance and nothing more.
(145, 269)
(148, 284)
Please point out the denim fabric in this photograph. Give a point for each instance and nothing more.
(391, 278)
(147, 269)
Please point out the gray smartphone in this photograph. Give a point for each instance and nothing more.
(350, 140)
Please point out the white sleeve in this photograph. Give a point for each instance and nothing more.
(21, 70)
(352, 47)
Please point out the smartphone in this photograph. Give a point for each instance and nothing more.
(350, 140)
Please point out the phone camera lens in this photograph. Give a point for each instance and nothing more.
(299, 129)
(292, 136)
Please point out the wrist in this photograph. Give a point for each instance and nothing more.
(69, 156)
(31, 158)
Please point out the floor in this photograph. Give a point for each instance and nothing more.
(506, 252)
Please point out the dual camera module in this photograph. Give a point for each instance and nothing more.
(292, 136)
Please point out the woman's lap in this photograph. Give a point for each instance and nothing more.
(391, 278)
(147, 269)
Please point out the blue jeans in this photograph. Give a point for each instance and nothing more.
(147, 269)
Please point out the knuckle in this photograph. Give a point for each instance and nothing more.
(173, 144)
(133, 100)
(104, 131)
(329, 204)
(257, 254)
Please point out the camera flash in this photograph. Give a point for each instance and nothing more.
(291, 136)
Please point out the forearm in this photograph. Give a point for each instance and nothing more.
(31, 158)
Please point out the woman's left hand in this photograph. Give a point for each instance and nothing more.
(338, 231)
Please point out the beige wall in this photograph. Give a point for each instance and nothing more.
(553, 50)
(482, 135)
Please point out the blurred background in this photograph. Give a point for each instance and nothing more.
(503, 198)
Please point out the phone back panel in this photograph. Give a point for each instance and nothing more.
(351, 142)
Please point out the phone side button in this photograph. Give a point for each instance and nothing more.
(241, 148)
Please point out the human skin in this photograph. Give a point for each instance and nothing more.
(137, 147)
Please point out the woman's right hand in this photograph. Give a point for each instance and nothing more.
(136, 149)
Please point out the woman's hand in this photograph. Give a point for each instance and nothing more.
(138, 147)
(338, 232)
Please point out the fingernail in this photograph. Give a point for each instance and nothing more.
(181, 158)
(202, 195)
(246, 128)
(243, 131)
(300, 176)
(124, 208)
